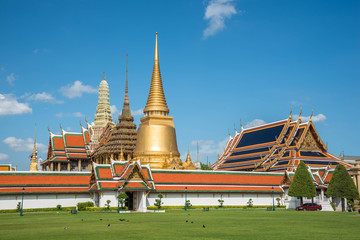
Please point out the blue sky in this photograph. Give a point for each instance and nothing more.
(221, 61)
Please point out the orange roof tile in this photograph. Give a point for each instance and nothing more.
(58, 143)
(74, 140)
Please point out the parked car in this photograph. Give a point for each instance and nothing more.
(309, 207)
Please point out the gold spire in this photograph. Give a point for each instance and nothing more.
(156, 103)
(103, 75)
(33, 165)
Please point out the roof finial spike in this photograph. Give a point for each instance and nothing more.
(33, 165)
(86, 120)
(80, 123)
(156, 102)
(241, 125)
(126, 87)
(312, 112)
(300, 113)
(103, 75)
(290, 111)
(61, 127)
(229, 132)
(235, 127)
(49, 129)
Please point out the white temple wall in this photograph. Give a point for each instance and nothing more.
(43, 200)
(211, 199)
(104, 196)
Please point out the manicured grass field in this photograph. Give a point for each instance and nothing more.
(219, 224)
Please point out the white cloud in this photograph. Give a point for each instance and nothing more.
(35, 50)
(207, 148)
(318, 118)
(75, 114)
(254, 123)
(2, 69)
(42, 97)
(114, 110)
(59, 115)
(10, 106)
(11, 79)
(4, 157)
(138, 112)
(216, 12)
(76, 89)
(23, 145)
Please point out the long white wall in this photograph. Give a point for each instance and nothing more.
(178, 199)
(43, 200)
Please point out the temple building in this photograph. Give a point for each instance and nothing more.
(156, 138)
(103, 114)
(69, 151)
(118, 142)
(278, 146)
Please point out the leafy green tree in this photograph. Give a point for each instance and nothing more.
(250, 203)
(107, 204)
(158, 201)
(342, 186)
(221, 202)
(122, 197)
(205, 167)
(302, 184)
(278, 201)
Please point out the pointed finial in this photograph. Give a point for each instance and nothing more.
(49, 129)
(312, 112)
(35, 136)
(235, 127)
(86, 120)
(290, 111)
(241, 125)
(61, 127)
(103, 75)
(80, 123)
(156, 102)
(300, 113)
(229, 132)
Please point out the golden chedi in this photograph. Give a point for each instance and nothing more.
(156, 138)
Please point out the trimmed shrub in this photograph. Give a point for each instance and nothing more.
(18, 207)
(58, 207)
(38, 209)
(104, 209)
(212, 206)
(84, 205)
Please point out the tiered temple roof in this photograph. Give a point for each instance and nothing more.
(278, 146)
(118, 142)
(126, 175)
(69, 146)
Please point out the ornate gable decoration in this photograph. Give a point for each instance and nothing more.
(312, 141)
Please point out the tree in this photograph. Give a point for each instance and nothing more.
(342, 186)
(107, 204)
(205, 166)
(122, 197)
(302, 185)
(158, 201)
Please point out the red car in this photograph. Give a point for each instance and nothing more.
(309, 207)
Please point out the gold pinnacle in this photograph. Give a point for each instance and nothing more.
(156, 102)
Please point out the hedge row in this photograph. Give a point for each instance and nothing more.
(212, 206)
(38, 210)
(104, 209)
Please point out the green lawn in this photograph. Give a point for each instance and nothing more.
(219, 224)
